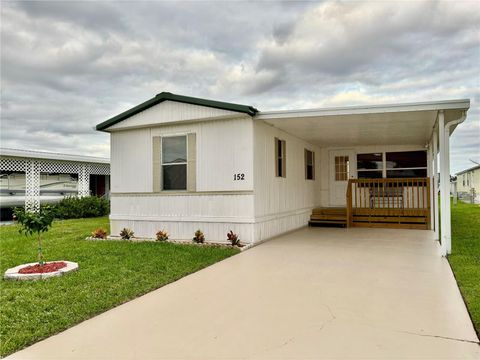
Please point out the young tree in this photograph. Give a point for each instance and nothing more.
(35, 223)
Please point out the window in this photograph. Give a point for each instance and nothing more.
(342, 168)
(280, 158)
(370, 166)
(309, 165)
(174, 163)
(406, 164)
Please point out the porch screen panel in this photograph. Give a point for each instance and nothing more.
(406, 164)
(370, 166)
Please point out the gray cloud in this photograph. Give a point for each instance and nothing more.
(67, 66)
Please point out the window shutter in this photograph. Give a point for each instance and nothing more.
(313, 165)
(192, 162)
(284, 158)
(275, 158)
(156, 163)
(305, 159)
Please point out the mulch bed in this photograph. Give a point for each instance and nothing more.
(40, 269)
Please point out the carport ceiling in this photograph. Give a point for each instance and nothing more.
(374, 125)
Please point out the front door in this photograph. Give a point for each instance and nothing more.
(342, 168)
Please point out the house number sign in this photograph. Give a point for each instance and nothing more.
(238, 177)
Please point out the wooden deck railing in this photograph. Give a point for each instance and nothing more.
(403, 202)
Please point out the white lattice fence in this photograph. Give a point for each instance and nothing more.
(12, 164)
(99, 169)
(84, 180)
(59, 167)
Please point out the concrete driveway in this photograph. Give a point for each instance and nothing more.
(312, 294)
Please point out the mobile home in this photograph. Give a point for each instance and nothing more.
(468, 183)
(181, 163)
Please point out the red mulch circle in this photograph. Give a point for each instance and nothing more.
(40, 269)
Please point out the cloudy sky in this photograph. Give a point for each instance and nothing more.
(66, 66)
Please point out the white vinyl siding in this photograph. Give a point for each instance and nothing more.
(169, 112)
(281, 204)
(131, 161)
(223, 148)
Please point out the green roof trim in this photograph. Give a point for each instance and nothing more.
(164, 96)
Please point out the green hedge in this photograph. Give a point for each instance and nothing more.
(85, 207)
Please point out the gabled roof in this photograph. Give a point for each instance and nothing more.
(468, 170)
(163, 96)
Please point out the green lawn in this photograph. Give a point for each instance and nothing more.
(465, 258)
(111, 273)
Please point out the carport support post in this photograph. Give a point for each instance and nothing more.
(430, 179)
(448, 225)
(435, 186)
(444, 183)
(448, 215)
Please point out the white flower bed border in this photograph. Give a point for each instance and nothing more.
(13, 273)
(181, 242)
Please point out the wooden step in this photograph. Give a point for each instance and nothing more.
(326, 222)
(329, 211)
(329, 217)
(391, 225)
(390, 219)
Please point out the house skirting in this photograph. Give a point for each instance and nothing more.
(273, 225)
(215, 229)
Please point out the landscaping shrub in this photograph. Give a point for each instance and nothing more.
(126, 233)
(199, 238)
(74, 207)
(162, 235)
(99, 234)
(233, 238)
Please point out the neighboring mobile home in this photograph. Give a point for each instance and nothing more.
(468, 183)
(31, 178)
(180, 163)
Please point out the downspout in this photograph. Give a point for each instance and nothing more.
(445, 183)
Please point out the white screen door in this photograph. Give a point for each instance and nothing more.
(342, 167)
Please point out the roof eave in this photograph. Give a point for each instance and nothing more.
(35, 154)
(164, 96)
(462, 104)
(468, 170)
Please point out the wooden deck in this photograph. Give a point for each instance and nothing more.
(387, 203)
